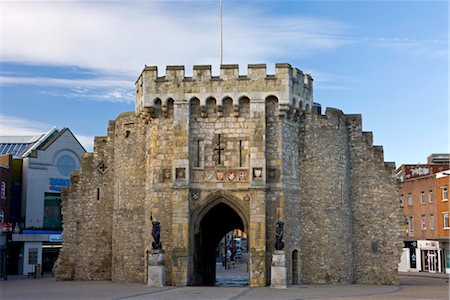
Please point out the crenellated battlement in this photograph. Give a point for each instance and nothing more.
(289, 85)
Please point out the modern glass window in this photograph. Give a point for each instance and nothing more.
(402, 201)
(431, 222)
(422, 197)
(411, 226)
(430, 196)
(410, 199)
(52, 211)
(423, 223)
(446, 225)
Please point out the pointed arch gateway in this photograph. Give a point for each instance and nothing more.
(220, 213)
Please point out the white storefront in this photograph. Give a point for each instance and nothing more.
(47, 167)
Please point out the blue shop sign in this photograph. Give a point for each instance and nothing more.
(57, 183)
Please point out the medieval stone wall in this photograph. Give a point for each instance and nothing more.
(376, 219)
(87, 210)
(325, 205)
(251, 142)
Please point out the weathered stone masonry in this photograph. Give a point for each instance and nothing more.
(206, 154)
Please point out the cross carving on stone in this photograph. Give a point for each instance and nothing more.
(219, 150)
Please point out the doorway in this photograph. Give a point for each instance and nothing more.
(216, 223)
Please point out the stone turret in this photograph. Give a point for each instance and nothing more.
(292, 87)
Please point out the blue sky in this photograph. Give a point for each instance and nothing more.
(73, 63)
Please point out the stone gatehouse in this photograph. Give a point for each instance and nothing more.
(207, 154)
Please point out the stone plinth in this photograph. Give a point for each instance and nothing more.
(155, 268)
(278, 279)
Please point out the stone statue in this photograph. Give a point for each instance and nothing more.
(279, 245)
(156, 232)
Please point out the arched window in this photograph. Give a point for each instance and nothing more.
(244, 107)
(227, 107)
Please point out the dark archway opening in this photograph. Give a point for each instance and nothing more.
(215, 224)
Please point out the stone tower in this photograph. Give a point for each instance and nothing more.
(206, 154)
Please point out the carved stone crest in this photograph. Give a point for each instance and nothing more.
(257, 173)
(231, 175)
(220, 175)
(180, 173)
(243, 175)
(102, 168)
(166, 174)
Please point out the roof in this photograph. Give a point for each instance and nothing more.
(17, 145)
(23, 146)
(20, 146)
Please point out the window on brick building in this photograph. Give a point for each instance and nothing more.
(409, 199)
(423, 223)
(446, 225)
(422, 197)
(430, 196)
(444, 193)
(402, 201)
(431, 222)
(411, 226)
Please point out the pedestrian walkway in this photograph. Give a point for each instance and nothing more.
(20, 288)
(426, 274)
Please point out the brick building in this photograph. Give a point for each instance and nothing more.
(421, 202)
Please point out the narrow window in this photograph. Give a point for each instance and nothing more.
(446, 225)
(410, 202)
(402, 201)
(411, 226)
(430, 196)
(431, 222)
(98, 193)
(423, 224)
(422, 197)
(444, 193)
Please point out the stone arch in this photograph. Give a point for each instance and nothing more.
(169, 108)
(220, 213)
(211, 107)
(227, 106)
(195, 108)
(156, 108)
(244, 107)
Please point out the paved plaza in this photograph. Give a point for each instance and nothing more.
(412, 287)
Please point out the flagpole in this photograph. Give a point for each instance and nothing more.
(221, 35)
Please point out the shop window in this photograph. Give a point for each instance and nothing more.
(402, 201)
(446, 225)
(411, 226)
(3, 190)
(430, 196)
(32, 256)
(431, 222)
(410, 203)
(422, 197)
(423, 223)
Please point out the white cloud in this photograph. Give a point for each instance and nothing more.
(11, 125)
(122, 36)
